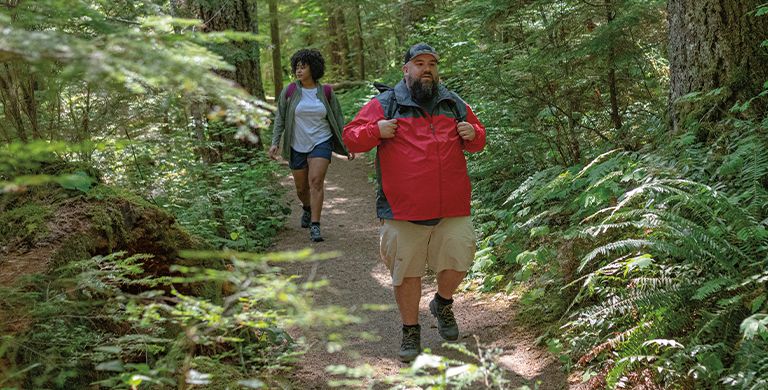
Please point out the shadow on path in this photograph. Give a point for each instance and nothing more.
(350, 226)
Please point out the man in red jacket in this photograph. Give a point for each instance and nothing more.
(421, 130)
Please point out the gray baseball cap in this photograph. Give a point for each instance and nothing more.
(420, 48)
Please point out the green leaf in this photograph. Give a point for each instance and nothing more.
(755, 325)
(234, 236)
(78, 181)
(639, 262)
(711, 362)
(539, 231)
(757, 303)
(526, 257)
(710, 287)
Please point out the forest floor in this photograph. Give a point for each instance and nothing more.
(357, 277)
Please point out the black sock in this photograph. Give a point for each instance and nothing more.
(442, 301)
(315, 223)
(417, 326)
(306, 208)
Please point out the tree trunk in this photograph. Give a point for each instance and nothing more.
(346, 59)
(334, 46)
(615, 114)
(274, 29)
(714, 44)
(237, 15)
(359, 41)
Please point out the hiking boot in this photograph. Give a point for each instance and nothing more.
(411, 345)
(446, 322)
(314, 233)
(306, 217)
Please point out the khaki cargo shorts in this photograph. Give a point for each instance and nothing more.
(407, 248)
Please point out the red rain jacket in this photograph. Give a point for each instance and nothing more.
(422, 171)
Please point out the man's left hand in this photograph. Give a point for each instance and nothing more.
(466, 131)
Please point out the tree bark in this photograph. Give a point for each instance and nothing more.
(274, 29)
(715, 44)
(334, 46)
(346, 59)
(360, 44)
(614, 92)
(237, 15)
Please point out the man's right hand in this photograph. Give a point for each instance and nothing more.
(387, 128)
(273, 152)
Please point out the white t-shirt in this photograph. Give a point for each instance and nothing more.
(311, 125)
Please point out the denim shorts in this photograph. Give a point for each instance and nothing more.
(299, 160)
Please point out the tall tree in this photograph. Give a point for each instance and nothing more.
(359, 46)
(274, 30)
(236, 15)
(610, 15)
(334, 41)
(715, 44)
(341, 32)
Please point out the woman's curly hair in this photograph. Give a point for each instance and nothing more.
(311, 57)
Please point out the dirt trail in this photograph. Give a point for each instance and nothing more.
(350, 226)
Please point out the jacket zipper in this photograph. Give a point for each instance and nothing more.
(439, 164)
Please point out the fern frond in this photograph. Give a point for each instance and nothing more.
(596, 161)
(711, 287)
(610, 344)
(618, 246)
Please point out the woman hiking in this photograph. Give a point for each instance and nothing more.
(309, 121)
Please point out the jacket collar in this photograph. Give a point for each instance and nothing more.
(403, 95)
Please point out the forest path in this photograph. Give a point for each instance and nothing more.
(349, 225)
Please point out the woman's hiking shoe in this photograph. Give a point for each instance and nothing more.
(446, 322)
(306, 218)
(411, 345)
(314, 233)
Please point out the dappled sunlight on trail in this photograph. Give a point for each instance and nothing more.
(357, 280)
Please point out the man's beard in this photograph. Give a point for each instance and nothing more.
(422, 91)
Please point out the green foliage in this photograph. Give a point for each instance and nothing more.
(104, 321)
(25, 224)
(671, 265)
(249, 194)
(434, 372)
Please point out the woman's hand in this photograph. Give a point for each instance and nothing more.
(273, 152)
(351, 156)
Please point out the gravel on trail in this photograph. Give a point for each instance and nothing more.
(349, 226)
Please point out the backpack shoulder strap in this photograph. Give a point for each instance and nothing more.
(289, 90)
(327, 89)
(459, 108)
(392, 106)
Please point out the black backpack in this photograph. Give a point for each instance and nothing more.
(393, 106)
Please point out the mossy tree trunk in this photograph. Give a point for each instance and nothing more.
(237, 15)
(715, 44)
(274, 32)
(17, 97)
